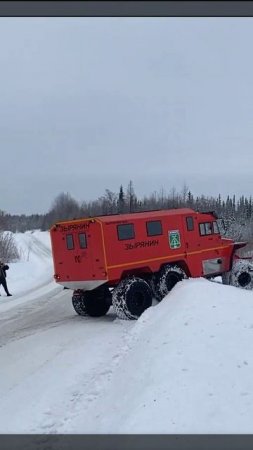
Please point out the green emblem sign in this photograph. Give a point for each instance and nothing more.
(174, 239)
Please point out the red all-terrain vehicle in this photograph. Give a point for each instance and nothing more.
(125, 260)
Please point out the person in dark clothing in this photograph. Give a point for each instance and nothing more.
(3, 268)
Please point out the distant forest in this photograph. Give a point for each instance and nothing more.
(237, 214)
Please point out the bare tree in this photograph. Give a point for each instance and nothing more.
(131, 199)
(8, 248)
(64, 207)
(109, 202)
(184, 192)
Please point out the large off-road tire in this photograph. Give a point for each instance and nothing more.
(166, 279)
(95, 303)
(131, 297)
(78, 302)
(241, 275)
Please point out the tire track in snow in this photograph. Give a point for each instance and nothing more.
(39, 248)
(33, 316)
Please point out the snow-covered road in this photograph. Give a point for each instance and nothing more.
(51, 359)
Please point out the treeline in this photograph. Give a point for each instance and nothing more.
(237, 214)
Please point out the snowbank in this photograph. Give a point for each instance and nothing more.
(188, 368)
(184, 367)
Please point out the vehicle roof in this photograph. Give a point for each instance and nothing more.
(136, 215)
(146, 214)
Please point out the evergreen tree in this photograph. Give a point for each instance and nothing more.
(121, 200)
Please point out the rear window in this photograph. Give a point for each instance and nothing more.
(154, 228)
(82, 240)
(69, 241)
(125, 231)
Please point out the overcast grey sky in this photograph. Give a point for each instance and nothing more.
(89, 103)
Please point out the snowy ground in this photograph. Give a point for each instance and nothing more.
(31, 276)
(184, 367)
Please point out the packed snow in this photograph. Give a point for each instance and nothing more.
(185, 366)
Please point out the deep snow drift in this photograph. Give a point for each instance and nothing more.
(188, 368)
(184, 367)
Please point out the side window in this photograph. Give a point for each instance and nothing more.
(82, 240)
(154, 228)
(125, 231)
(202, 230)
(208, 227)
(70, 241)
(205, 228)
(190, 223)
(215, 228)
